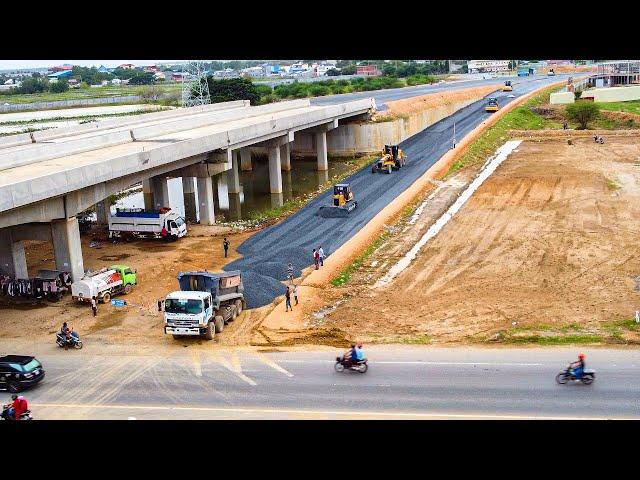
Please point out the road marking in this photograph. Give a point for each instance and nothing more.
(234, 367)
(359, 413)
(419, 362)
(197, 366)
(266, 360)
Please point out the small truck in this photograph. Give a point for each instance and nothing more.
(137, 222)
(205, 303)
(104, 284)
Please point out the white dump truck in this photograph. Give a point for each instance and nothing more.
(104, 283)
(163, 223)
(205, 303)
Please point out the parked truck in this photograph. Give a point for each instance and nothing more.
(104, 284)
(163, 223)
(205, 303)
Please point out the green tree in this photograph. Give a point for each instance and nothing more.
(32, 85)
(143, 79)
(230, 89)
(348, 70)
(333, 72)
(59, 87)
(582, 113)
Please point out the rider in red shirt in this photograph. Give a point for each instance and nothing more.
(18, 407)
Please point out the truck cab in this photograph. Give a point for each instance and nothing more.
(188, 313)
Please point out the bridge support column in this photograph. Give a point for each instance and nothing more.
(147, 192)
(275, 176)
(245, 159)
(285, 156)
(13, 261)
(160, 189)
(321, 150)
(189, 196)
(102, 212)
(205, 201)
(67, 249)
(233, 177)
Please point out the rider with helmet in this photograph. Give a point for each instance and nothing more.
(578, 367)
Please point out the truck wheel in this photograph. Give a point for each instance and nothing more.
(238, 307)
(106, 297)
(234, 313)
(219, 321)
(210, 331)
(127, 289)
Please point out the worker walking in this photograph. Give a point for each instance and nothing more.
(321, 255)
(94, 306)
(290, 273)
(295, 293)
(225, 244)
(287, 296)
(316, 258)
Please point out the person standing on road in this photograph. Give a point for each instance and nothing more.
(94, 306)
(295, 293)
(290, 273)
(321, 255)
(316, 258)
(225, 244)
(287, 296)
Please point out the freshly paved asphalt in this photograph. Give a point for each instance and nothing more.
(403, 382)
(267, 253)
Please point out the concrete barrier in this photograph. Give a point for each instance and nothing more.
(613, 94)
(560, 98)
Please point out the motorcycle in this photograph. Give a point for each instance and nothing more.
(588, 376)
(26, 415)
(64, 342)
(358, 366)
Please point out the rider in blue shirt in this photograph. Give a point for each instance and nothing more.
(578, 367)
(359, 352)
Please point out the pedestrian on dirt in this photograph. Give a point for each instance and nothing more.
(321, 254)
(290, 273)
(94, 306)
(287, 296)
(159, 304)
(295, 293)
(225, 244)
(316, 258)
(565, 126)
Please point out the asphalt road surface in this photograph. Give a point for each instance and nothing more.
(205, 381)
(383, 96)
(267, 253)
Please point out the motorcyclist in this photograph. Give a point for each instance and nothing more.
(359, 353)
(17, 408)
(577, 368)
(351, 354)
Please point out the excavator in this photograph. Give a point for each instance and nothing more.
(343, 202)
(393, 158)
(507, 86)
(492, 105)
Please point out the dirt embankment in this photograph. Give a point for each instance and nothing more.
(413, 105)
(547, 245)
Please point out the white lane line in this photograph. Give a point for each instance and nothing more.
(234, 367)
(418, 362)
(266, 360)
(359, 413)
(197, 366)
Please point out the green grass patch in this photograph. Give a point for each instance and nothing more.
(612, 184)
(345, 276)
(632, 106)
(506, 337)
(520, 118)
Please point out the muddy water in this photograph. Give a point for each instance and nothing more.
(254, 197)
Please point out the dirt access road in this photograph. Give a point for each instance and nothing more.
(549, 241)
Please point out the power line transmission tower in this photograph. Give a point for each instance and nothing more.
(195, 89)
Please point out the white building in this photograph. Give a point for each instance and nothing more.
(116, 81)
(482, 66)
(322, 69)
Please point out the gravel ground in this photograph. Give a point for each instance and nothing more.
(267, 253)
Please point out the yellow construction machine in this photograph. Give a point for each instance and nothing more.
(393, 158)
(492, 105)
(507, 86)
(343, 202)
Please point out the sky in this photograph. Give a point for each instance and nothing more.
(19, 64)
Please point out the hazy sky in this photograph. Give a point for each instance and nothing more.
(18, 64)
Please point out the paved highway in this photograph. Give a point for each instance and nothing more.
(267, 253)
(206, 381)
(383, 96)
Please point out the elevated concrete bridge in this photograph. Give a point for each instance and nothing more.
(47, 177)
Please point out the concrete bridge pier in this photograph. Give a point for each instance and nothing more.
(147, 193)
(245, 159)
(205, 200)
(321, 144)
(65, 236)
(13, 260)
(102, 212)
(160, 189)
(233, 176)
(275, 175)
(285, 156)
(189, 196)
